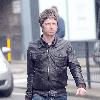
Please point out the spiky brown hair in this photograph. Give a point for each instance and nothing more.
(47, 13)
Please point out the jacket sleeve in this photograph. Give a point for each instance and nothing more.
(29, 90)
(75, 67)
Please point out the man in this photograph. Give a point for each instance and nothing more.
(98, 18)
(47, 62)
(61, 24)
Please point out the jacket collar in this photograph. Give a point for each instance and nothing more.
(42, 43)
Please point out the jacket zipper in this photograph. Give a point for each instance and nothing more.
(48, 66)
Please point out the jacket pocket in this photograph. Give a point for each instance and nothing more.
(60, 59)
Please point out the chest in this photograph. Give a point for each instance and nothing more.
(56, 55)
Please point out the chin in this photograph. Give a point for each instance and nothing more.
(52, 34)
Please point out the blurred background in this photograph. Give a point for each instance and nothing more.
(19, 25)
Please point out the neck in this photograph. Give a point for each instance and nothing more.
(48, 39)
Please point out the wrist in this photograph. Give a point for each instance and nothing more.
(82, 85)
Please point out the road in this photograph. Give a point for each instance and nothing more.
(18, 94)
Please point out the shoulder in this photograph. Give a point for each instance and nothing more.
(61, 40)
(98, 1)
(67, 44)
(33, 44)
(64, 42)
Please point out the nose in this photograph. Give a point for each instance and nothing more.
(51, 26)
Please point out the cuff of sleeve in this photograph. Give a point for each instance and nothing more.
(82, 85)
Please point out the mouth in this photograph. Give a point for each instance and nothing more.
(52, 31)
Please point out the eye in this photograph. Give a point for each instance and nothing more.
(53, 23)
(47, 23)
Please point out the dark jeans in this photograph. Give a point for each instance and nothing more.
(38, 97)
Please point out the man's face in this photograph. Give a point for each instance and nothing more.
(49, 27)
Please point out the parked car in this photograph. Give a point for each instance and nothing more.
(6, 76)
